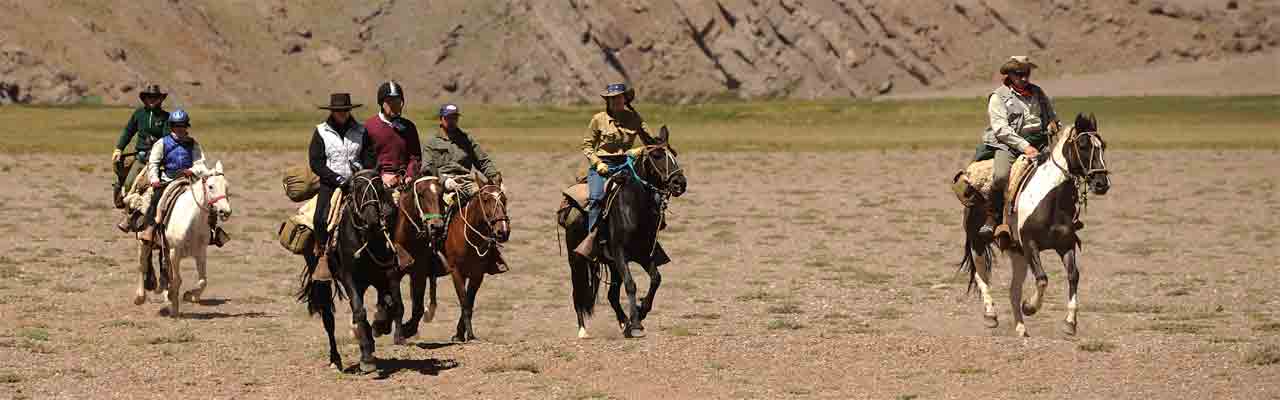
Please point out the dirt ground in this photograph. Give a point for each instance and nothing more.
(796, 275)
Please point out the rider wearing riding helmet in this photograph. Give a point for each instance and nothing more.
(175, 156)
(395, 138)
(339, 148)
(451, 154)
(1021, 119)
(610, 137)
(148, 123)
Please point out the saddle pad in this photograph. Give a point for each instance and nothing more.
(307, 213)
(577, 195)
(169, 198)
(978, 175)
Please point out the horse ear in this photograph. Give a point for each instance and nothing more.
(1093, 121)
(1080, 121)
(663, 134)
(217, 167)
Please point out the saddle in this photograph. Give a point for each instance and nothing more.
(306, 214)
(576, 197)
(972, 185)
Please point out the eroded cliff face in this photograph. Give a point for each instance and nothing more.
(561, 51)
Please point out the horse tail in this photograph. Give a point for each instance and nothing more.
(586, 285)
(967, 262)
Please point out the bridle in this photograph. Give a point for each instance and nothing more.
(360, 200)
(417, 201)
(1086, 169)
(673, 168)
(209, 202)
(489, 241)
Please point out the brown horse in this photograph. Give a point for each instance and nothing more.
(472, 239)
(419, 224)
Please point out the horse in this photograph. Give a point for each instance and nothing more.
(418, 227)
(365, 259)
(632, 217)
(1048, 209)
(186, 234)
(473, 236)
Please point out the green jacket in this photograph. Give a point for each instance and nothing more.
(455, 155)
(149, 125)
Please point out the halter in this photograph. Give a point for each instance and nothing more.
(1087, 169)
(209, 202)
(664, 193)
(490, 242)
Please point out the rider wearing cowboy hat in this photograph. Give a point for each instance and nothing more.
(610, 135)
(1021, 119)
(149, 123)
(340, 147)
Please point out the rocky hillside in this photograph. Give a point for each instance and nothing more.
(242, 52)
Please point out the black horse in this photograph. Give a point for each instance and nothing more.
(364, 258)
(633, 216)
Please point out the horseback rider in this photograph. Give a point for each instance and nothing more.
(397, 149)
(451, 154)
(176, 155)
(1022, 119)
(609, 140)
(339, 148)
(149, 123)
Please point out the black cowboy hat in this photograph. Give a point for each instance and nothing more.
(340, 102)
(152, 90)
(615, 89)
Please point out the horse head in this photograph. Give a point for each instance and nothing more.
(492, 200)
(426, 206)
(217, 192)
(1085, 153)
(370, 201)
(659, 165)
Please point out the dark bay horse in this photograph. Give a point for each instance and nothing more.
(470, 248)
(1047, 216)
(364, 258)
(631, 221)
(419, 224)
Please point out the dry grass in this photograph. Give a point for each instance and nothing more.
(521, 366)
(1096, 346)
(1267, 354)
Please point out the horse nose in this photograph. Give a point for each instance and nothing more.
(1101, 184)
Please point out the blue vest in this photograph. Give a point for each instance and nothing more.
(177, 156)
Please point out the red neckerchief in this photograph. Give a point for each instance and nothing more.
(1025, 91)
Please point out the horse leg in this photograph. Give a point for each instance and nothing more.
(360, 328)
(1032, 253)
(417, 292)
(586, 283)
(431, 306)
(633, 328)
(146, 271)
(193, 295)
(1069, 261)
(391, 293)
(381, 316)
(982, 276)
(175, 281)
(473, 287)
(459, 287)
(655, 280)
(321, 292)
(615, 294)
(1018, 264)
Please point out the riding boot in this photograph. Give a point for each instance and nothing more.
(322, 272)
(499, 264)
(988, 229)
(148, 233)
(587, 248)
(117, 196)
(130, 222)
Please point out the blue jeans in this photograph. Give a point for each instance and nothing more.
(595, 196)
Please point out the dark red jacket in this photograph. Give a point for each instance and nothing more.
(395, 151)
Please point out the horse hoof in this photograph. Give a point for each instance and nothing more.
(368, 366)
(458, 339)
(582, 333)
(381, 328)
(1029, 310)
(138, 299)
(1069, 328)
(635, 333)
(990, 321)
(191, 297)
(1021, 331)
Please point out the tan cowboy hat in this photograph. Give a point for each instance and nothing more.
(615, 89)
(1021, 64)
(340, 102)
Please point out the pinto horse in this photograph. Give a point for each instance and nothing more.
(632, 218)
(473, 237)
(1047, 218)
(365, 258)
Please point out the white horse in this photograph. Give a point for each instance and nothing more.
(186, 235)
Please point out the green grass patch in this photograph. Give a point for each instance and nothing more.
(37, 334)
(1176, 328)
(1268, 354)
(825, 125)
(782, 324)
(1096, 346)
(787, 308)
(179, 337)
